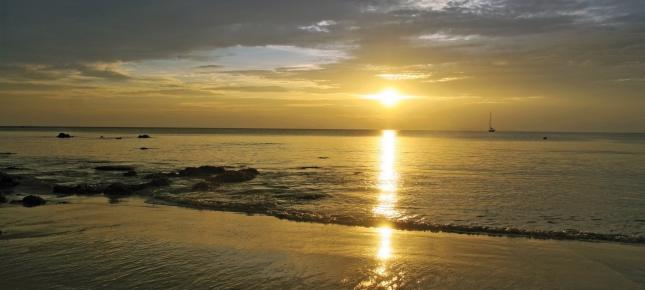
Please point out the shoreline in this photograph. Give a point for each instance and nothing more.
(118, 245)
(310, 217)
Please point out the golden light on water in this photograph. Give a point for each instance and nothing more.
(387, 185)
(388, 177)
(383, 275)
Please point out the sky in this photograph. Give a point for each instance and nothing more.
(556, 65)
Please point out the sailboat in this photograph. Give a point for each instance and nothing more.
(490, 123)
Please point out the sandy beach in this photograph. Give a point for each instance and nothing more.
(91, 243)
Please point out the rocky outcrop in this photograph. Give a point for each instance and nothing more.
(158, 182)
(201, 186)
(205, 170)
(130, 173)
(115, 168)
(64, 135)
(79, 189)
(33, 200)
(7, 181)
(120, 189)
(236, 176)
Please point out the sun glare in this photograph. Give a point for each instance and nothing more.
(388, 97)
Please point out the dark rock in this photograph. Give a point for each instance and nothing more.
(33, 200)
(80, 189)
(157, 175)
(115, 168)
(7, 153)
(118, 138)
(236, 175)
(144, 148)
(7, 180)
(130, 173)
(202, 170)
(201, 186)
(118, 188)
(63, 135)
(2, 199)
(544, 138)
(323, 157)
(143, 136)
(159, 182)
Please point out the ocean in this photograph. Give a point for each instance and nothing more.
(587, 186)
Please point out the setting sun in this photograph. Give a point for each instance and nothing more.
(388, 97)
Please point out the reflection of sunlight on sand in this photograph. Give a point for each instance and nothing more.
(385, 248)
(381, 276)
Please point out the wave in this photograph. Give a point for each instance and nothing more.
(270, 209)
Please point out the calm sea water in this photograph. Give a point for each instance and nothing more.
(459, 181)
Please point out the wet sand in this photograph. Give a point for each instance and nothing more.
(90, 243)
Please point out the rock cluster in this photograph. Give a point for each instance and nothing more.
(64, 135)
(232, 176)
(115, 168)
(33, 200)
(201, 171)
(7, 181)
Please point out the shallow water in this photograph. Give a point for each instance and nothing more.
(459, 181)
(91, 244)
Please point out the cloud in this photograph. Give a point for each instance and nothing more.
(321, 26)
(578, 50)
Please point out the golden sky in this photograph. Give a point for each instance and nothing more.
(537, 65)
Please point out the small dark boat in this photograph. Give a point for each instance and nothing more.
(490, 123)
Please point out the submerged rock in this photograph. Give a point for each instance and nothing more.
(115, 168)
(201, 171)
(130, 173)
(118, 188)
(7, 180)
(80, 189)
(143, 136)
(158, 175)
(33, 200)
(236, 175)
(159, 182)
(201, 186)
(64, 135)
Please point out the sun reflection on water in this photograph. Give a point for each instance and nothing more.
(387, 180)
(382, 276)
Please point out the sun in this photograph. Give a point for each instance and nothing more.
(388, 97)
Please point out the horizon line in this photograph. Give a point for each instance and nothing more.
(321, 129)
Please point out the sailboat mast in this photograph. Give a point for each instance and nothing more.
(490, 119)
